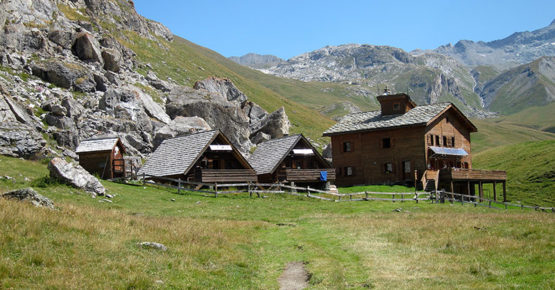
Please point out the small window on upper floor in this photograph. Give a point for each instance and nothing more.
(437, 140)
(396, 107)
(445, 142)
(349, 171)
(388, 167)
(386, 143)
(452, 141)
(347, 147)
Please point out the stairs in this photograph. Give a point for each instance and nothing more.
(333, 189)
(430, 180)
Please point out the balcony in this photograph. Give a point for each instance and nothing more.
(305, 175)
(460, 174)
(225, 175)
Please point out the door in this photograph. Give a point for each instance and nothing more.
(118, 164)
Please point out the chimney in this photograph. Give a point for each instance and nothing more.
(395, 104)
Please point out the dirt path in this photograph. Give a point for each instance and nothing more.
(294, 277)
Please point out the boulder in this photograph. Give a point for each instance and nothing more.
(275, 124)
(260, 137)
(76, 176)
(73, 108)
(224, 87)
(326, 153)
(63, 38)
(112, 60)
(65, 75)
(29, 194)
(255, 113)
(178, 127)
(152, 245)
(152, 108)
(86, 48)
(17, 139)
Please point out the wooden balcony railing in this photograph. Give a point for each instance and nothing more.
(305, 174)
(472, 174)
(226, 175)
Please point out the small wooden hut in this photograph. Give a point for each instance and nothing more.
(201, 157)
(102, 156)
(291, 159)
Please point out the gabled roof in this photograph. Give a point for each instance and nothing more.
(269, 155)
(178, 155)
(374, 120)
(97, 144)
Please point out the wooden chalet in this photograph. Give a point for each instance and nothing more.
(410, 144)
(291, 159)
(201, 157)
(102, 156)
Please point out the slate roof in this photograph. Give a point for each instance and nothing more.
(449, 151)
(268, 155)
(97, 144)
(368, 121)
(176, 156)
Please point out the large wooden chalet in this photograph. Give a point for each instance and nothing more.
(291, 159)
(201, 157)
(102, 156)
(406, 143)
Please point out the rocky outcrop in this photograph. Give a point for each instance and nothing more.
(30, 195)
(275, 124)
(76, 176)
(178, 127)
(221, 87)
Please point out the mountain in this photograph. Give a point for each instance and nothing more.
(257, 61)
(518, 48)
(76, 69)
(528, 85)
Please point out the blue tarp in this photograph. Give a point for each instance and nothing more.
(323, 176)
(449, 151)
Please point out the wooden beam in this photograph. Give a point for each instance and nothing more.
(494, 192)
(481, 190)
(504, 192)
(468, 188)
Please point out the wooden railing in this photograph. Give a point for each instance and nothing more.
(472, 174)
(226, 175)
(305, 174)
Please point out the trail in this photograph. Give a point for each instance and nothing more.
(293, 277)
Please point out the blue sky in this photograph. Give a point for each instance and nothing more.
(289, 28)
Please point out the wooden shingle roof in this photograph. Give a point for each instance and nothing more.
(176, 156)
(97, 144)
(374, 120)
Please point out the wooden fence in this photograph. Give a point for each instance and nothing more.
(278, 188)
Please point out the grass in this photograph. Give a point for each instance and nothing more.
(530, 170)
(239, 242)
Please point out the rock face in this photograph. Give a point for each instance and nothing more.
(76, 176)
(71, 74)
(257, 61)
(29, 194)
(178, 127)
(276, 124)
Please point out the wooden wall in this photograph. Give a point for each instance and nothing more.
(368, 157)
(97, 163)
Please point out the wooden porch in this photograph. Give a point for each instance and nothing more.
(466, 179)
(305, 175)
(225, 175)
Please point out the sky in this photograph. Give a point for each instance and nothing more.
(288, 28)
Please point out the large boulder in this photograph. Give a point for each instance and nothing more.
(178, 127)
(223, 87)
(86, 47)
(275, 124)
(65, 75)
(152, 108)
(76, 176)
(112, 60)
(29, 194)
(17, 138)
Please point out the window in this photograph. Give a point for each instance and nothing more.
(430, 140)
(349, 171)
(298, 164)
(388, 167)
(406, 166)
(396, 106)
(445, 141)
(386, 143)
(452, 141)
(347, 147)
(437, 140)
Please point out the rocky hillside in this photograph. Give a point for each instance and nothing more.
(257, 61)
(518, 48)
(528, 85)
(69, 71)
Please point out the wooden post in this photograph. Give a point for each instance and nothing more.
(468, 188)
(481, 190)
(494, 191)
(179, 186)
(504, 192)
(249, 189)
(489, 203)
(416, 196)
(216, 189)
(452, 191)
(366, 194)
(144, 176)
(393, 199)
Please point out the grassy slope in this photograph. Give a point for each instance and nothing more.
(530, 170)
(540, 118)
(497, 132)
(236, 242)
